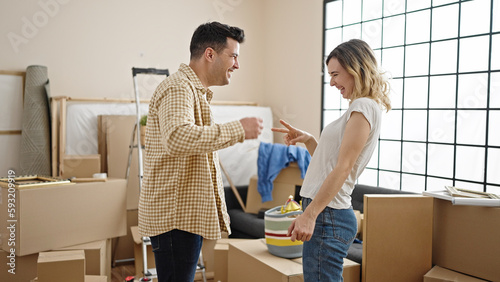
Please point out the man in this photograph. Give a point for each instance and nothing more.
(182, 197)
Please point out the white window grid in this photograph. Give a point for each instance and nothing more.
(443, 58)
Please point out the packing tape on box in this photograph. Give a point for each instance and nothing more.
(100, 175)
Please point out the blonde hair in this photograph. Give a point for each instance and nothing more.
(357, 58)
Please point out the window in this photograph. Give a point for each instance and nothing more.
(443, 58)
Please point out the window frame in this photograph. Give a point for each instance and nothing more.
(487, 110)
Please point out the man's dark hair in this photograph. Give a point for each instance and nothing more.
(213, 35)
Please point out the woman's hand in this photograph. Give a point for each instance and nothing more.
(292, 134)
(302, 228)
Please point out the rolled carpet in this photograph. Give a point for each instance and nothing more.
(35, 137)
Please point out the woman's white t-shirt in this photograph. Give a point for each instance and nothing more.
(327, 151)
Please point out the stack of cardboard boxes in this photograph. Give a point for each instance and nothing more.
(114, 135)
(80, 216)
(54, 220)
(65, 265)
(405, 238)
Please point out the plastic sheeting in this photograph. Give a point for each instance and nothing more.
(240, 160)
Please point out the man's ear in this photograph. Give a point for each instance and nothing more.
(209, 54)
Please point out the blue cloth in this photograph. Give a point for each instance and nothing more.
(272, 159)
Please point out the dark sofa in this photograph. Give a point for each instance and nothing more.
(243, 225)
(251, 226)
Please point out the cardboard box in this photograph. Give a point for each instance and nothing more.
(220, 254)
(439, 274)
(119, 128)
(397, 237)
(52, 217)
(207, 252)
(250, 261)
(96, 278)
(114, 135)
(80, 166)
(283, 186)
(67, 265)
(220, 258)
(97, 257)
(123, 247)
(20, 269)
(466, 239)
(351, 271)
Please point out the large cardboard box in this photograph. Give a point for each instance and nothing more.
(120, 127)
(220, 258)
(439, 274)
(250, 261)
(220, 253)
(96, 278)
(52, 217)
(466, 239)
(61, 265)
(284, 185)
(17, 269)
(397, 237)
(80, 166)
(114, 135)
(97, 257)
(123, 247)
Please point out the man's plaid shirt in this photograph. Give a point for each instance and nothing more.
(182, 185)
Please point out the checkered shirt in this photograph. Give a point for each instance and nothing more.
(182, 186)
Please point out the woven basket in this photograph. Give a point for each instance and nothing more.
(276, 229)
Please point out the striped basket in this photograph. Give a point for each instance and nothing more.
(276, 228)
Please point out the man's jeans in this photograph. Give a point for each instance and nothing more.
(176, 255)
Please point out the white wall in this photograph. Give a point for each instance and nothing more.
(90, 47)
(293, 62)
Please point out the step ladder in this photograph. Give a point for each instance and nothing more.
(148, 273)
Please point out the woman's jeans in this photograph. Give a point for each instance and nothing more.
(176, 255)
(323, 255)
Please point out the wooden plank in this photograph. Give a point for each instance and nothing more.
(16, 73)
(233, 103)
(62, 135)
(54, 138)
(10, 132)
(117, 100)
(233, 188)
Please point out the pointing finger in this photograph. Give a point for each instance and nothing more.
(282, 130)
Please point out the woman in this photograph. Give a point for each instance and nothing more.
(328, 225)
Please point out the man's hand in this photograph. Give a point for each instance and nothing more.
(253, 127)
